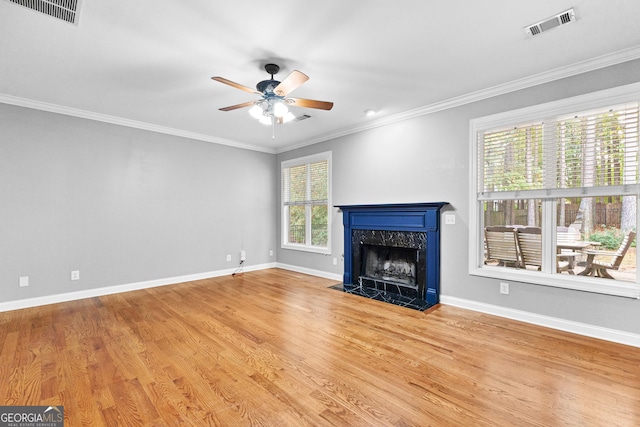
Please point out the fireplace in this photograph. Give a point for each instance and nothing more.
(392, 252)
(389, 261)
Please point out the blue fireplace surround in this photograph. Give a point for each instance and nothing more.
(398, 224)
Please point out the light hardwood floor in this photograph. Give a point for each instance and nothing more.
(277, 348)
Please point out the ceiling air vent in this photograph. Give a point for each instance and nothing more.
(301, 118)
(555, 21)
(66, 10)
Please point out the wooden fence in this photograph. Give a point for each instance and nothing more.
(608, 214)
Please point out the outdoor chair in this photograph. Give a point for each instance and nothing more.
(502, 245)
(598, 262)
(567, 234)
(530, 244)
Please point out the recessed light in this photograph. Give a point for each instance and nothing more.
(370, 112)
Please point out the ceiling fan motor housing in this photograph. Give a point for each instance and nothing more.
(267, 86)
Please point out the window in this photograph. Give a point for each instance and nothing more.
(554, 187)
(306, 189)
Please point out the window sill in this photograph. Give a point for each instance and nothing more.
(564, 281)
(306, 248)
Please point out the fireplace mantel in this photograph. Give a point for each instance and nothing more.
(403, 217)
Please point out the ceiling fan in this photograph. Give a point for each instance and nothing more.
(273, 107)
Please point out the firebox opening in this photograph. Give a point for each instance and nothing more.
(390, 264)
(390, 269)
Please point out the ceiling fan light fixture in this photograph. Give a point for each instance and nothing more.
(256, 111)
(279, 109)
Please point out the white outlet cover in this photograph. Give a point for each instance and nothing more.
(450, 219)
(504, 288)
(24, 281)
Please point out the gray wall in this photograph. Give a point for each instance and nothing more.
(123, 205)
(427, 159)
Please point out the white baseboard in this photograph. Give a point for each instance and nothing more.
(109, 290)
(592, 331)
(318, 273)
(536, 319)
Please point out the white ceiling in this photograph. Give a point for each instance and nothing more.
(148, 63)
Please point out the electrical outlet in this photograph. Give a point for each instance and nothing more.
(75, 275)
(504, 288)
(228, 257)
(335, 261)
(243, 255)
(270, 253)
(450, 219)
(24, 281)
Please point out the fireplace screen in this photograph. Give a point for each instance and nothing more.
(390, 269)
(390, 264)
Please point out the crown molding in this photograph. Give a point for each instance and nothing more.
(592, 64)
(105, 118)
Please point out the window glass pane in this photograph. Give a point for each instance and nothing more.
(513, 159)
(319, 180)
(296, 225)
(513, 234)
(319, 231)
(588, 149)
(592, 236)
(513, 212)
(297, 184)
(597, 149)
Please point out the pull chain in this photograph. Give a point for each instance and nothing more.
(273, 127)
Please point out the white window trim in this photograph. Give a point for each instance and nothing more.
(283, 237)
(613, 96)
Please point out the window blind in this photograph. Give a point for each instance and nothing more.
(593, 152)
(306, 184)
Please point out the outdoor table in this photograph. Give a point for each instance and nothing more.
(577, 246)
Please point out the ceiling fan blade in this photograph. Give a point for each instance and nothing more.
(235, 107)
(292, 82)
(310, 103)
(236, 85)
